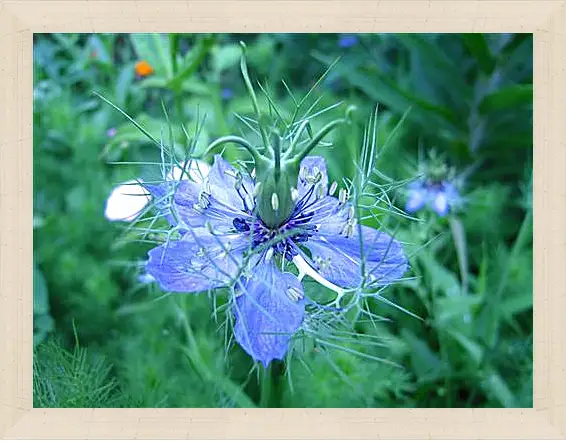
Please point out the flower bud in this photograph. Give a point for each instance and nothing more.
(275, 201)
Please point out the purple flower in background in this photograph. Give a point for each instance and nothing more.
(225, 243)
(111, 132)
(347, 40)
(441, 196)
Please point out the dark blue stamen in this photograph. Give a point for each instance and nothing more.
(243, 200)
(301, 204)
(241, 225)
(298, 223)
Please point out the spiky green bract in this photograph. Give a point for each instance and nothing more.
(278, 165)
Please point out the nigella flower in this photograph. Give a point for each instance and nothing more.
(225, 241)
(441, 196)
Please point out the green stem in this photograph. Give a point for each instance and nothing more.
(215, 379)
(266, 387)
(174, 44)
(245, 74)
(177, 98)
(459, 236)
(223, 129)
(295, 141)
(235, 140)
(318, 137)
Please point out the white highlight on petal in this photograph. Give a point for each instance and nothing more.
(195, 169)
(126, 201)
(305, 269)
(440, 204)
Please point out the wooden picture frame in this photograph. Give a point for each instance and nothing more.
(546, 19)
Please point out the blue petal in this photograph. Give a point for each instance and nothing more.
(161, 201)
(440, 203)
(184, 201)
(181, 205)
(310, 167)
(328, 215)
(338, 258)
(266, 316)
(221, 207)
(199, 261)
(222, 181)
(452, 194)
(223, 203)
(417, 200)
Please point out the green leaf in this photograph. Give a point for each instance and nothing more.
(192, 62)
(474, 350)
(509, 97)
(123, 84)
(154, 82)
(453, 310)
(497, 386)
(517, 304)
(102, 54)
(42, 321)
(441, 280)
(478, 47)
(226, 56)
(40, 296)
(447, 72)
(384, 90)
(426, 364)
(128, 133)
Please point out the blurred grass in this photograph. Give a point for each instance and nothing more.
(470, 96)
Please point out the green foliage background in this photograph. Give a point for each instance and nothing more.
(101, 339)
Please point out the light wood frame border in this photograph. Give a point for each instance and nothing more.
(18, 21)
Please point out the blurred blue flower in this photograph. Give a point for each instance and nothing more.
(111, 132)
(224, 243)
(441, 196)
(347, 41)
(226, 93)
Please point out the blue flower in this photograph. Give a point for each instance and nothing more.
(226, 93)
(347, 41)
(441, 196)
(225, 243)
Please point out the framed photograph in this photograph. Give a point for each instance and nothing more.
(287, 219)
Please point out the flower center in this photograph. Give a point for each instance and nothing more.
(282, 239)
